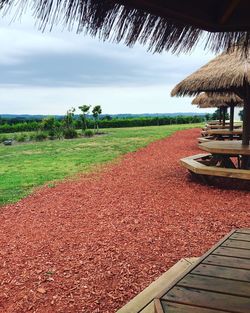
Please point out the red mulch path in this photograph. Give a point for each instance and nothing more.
(92, 244)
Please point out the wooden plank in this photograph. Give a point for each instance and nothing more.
(149, 308)
(234, 147)
(143, 299)
(220, 242)
(158, 306)
(198, 168)
(208, 299)
(243, 231)
(180, 308)
(237, 244)
(227, 261)
(231, 287)
(238, 253)
(222, 272)
(238, 236)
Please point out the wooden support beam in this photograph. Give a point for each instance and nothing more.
(231, 127)
(224, 116)
(229, 11)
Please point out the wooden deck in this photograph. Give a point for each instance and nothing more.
(218, 283)
(144, 301)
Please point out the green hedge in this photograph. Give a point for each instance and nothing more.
(107, 123)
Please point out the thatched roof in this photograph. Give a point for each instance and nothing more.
(226, 73)
(204, 100)
(175, 25)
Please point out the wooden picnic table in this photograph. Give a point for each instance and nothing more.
(221, 134)
(223, 151)
(218, 283)
(224, 132)
(222, 127)
(225, 147)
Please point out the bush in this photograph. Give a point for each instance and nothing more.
(21, 137)
(88, 133)
(70, 133)
(4, 138)
(40, 136)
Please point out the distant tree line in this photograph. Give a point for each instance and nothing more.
(70, 122)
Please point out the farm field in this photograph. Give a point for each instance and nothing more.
(28, 165)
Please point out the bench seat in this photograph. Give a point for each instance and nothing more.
(196, 167)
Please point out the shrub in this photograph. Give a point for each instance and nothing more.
(21, 137)
(32, 136)
(69, 133)
(41, 136)
(88, 133)
(4, 138)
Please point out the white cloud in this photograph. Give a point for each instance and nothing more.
(35, 66)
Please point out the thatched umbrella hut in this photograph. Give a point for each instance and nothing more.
(175, 25)
(221, 101)
(227, 73)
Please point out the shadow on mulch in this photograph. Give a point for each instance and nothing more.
(220, 182)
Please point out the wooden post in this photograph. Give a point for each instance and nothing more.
(220, 114)
(246, 125)
(231, 117)
(224, 116)
(246, 121)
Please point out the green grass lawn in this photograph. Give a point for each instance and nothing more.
(28, 165)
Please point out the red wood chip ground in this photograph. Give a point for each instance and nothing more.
(91, 244)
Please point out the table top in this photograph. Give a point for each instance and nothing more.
(219, 282)
(233, 147)
(222, 127)
(224, 131)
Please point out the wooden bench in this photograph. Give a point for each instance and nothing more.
(218, 282)
(194, 165)
(144, 301)
(205, 139)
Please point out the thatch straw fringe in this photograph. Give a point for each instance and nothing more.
(225, 73)
(117, 22)
(204, 100)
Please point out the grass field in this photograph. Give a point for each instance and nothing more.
(25, 166)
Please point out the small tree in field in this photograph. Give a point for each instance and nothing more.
(97, 110)
(69, 128)
(85, 110)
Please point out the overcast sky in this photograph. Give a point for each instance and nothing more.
(47, 73)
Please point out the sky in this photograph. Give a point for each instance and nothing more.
(49, 72)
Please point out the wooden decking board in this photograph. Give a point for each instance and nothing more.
(232, 252)
(179, 308)
(237, 244)
(218, 282)
(239, 236)
(143, 302)
(228, 262)
(208, 299)
(222, 272)
(243, 231)
(220, 285)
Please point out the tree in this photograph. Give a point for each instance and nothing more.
(69, 129)
(216, 115)
(48, 123)
(85, 110)
(208, 116)
(97, 110)
(69, 118)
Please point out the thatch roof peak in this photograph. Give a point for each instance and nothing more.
(205, 100)
(228, 72)
(175, 25)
